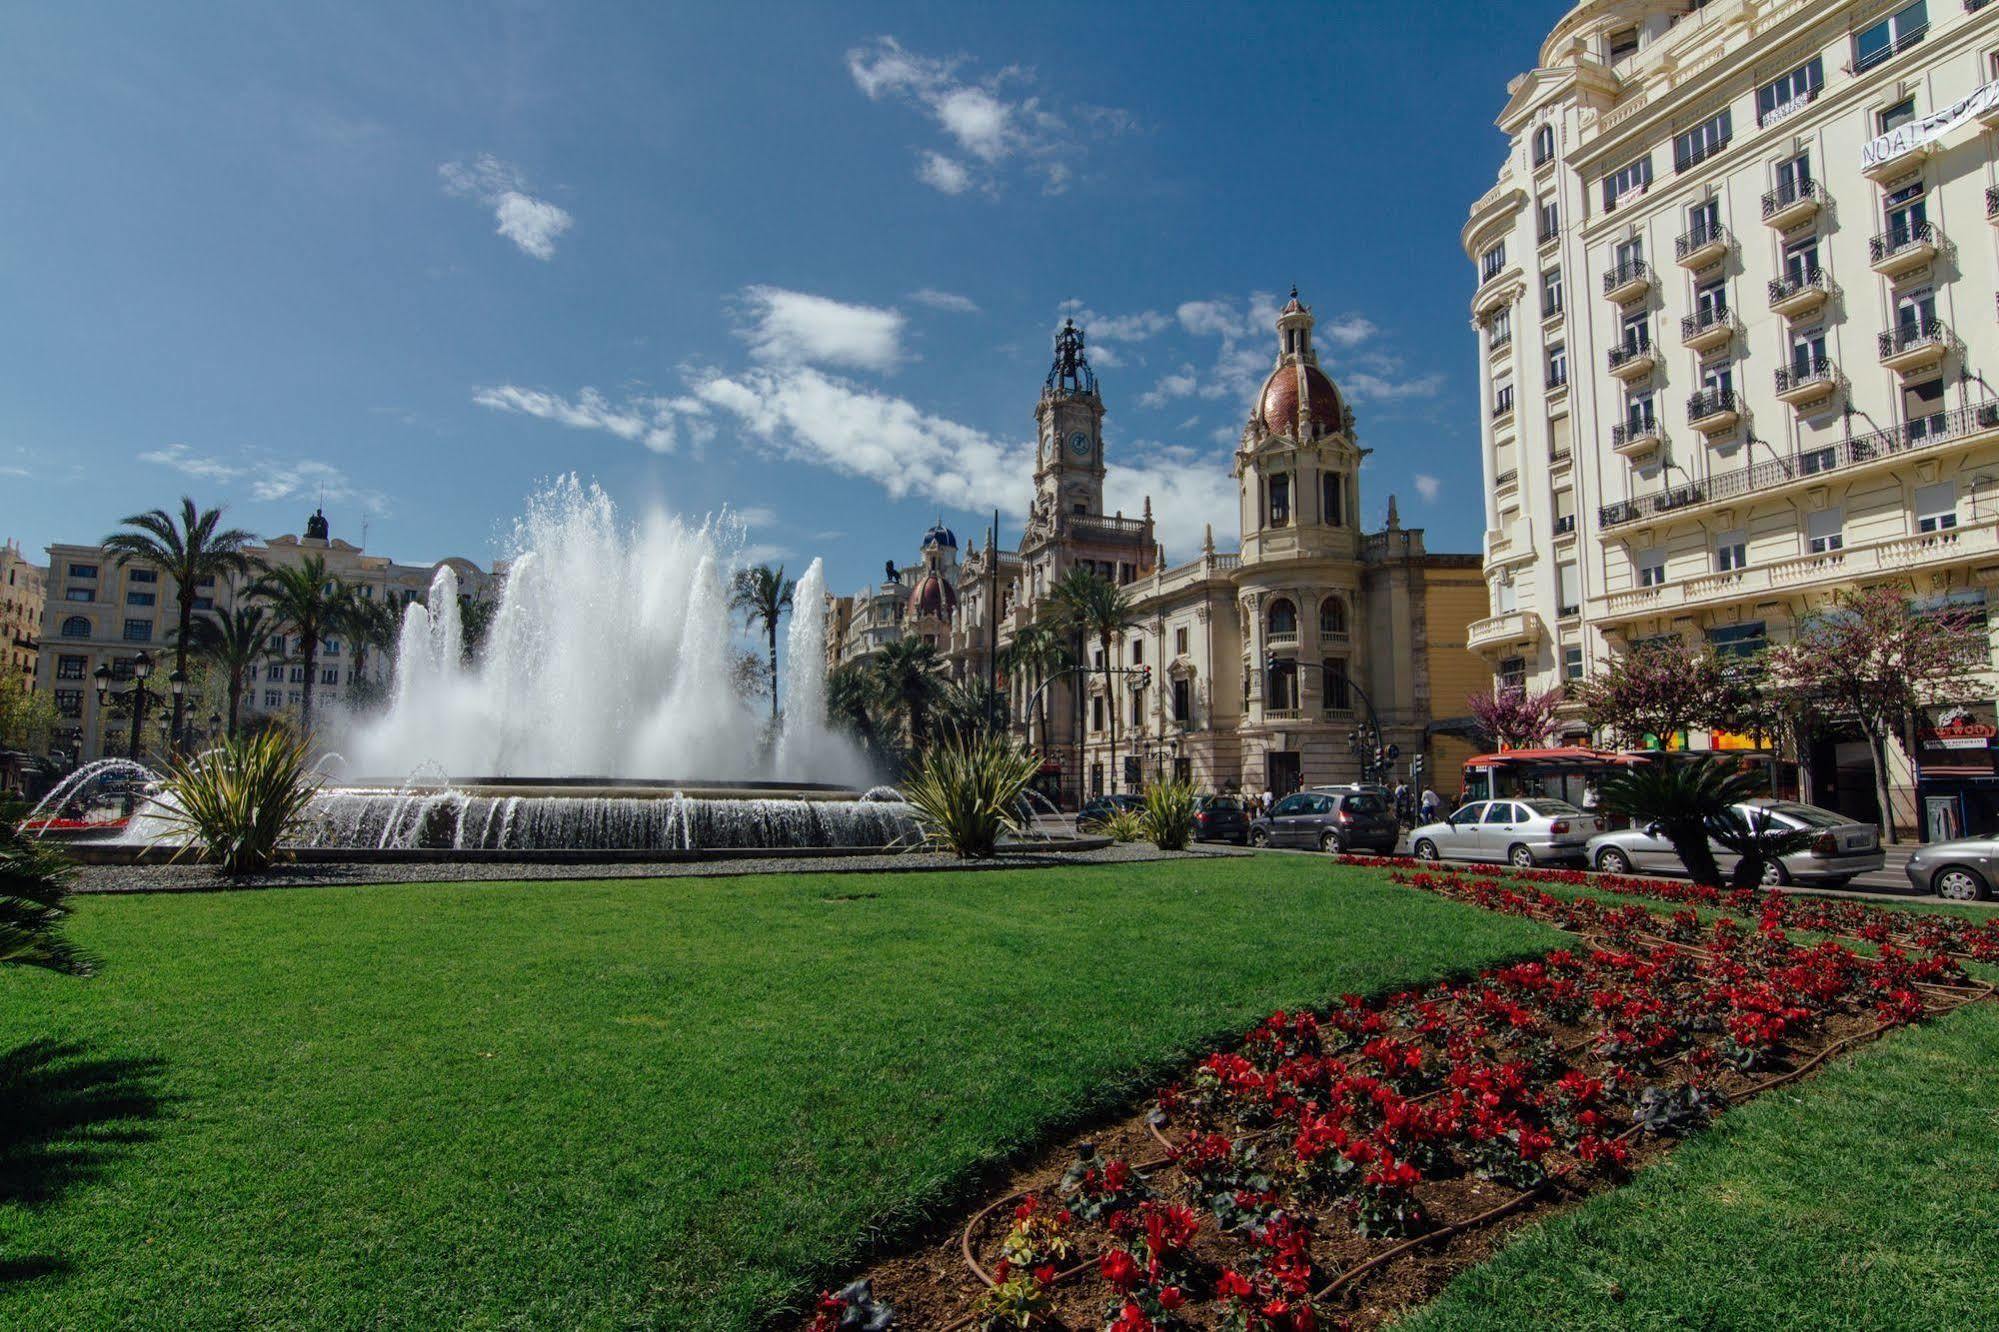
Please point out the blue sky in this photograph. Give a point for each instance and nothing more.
(805, 260)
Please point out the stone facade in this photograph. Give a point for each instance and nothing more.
(21, 592)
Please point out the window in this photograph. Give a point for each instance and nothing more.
(1282, 690)
(69, 702)
(1634, 178)
(330, 676)
(1898, 32)
(1731, 551)
(204, 603)
(1711, 302)
(1572, 663)
(142, 576)
(1499, 328)
(1651, 568)
(1785, 94)
(1332, 618)
(1702, 141)
(1628, 255)
(1565, 512)
(1550, 221)
(83, 571)
(273, 699)
(1560, 438)
(1283, 619)
(1491, 262)
(1183, 700)
(298, 675)
(1637, 333)
(1333, 499)
(1558, 365)
(1568, 589)
(1923, 416)
(80, 594)
(330, 648)
(1801, 262)
(138, 631)
(1704, 220)
(1551, 293)
(274, 673)
(1794, 178)
(140, 598)
(1097, 713)
(1179, 642)
(1808, 351)
(1339, 694)
(1738, 641)
(76, 626)
(1623, 44)
(1280, 501)
(1718, 379)
(1502, 396)
(1824, 531)
(1513, 673)
(1544, 145)
(1908, 213)
(72, 668)
(1640, 418)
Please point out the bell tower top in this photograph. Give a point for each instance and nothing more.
(1069, 449)
(1070, 375)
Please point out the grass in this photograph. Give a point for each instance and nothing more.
(1862, 1198)
(669, 1104)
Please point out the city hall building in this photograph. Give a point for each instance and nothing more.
(1735, 317)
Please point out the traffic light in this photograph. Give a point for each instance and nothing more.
(1145, 677)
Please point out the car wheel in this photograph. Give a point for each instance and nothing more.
(1775, 875)
(1520, 857)
(1425, 849)
(1954, 883)
(1329, 842)
(1612, 861)
(1258, 837)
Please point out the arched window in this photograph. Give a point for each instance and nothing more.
(1283, 619)
(1333, 499)
(1544, 144)
(1280, 501)
(1333, 617)
(76, 626)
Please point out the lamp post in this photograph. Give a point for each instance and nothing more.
(214, 726)
(142, 666)
(177, 681)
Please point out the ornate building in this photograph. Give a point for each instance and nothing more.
(21, 589)
(1241, 671)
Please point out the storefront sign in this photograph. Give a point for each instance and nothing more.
(1957, 738)
(1909, 137)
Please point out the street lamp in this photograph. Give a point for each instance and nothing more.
(142, 666)
(214, 726)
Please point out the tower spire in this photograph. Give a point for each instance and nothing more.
(1071, 371)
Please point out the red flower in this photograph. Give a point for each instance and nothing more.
(1119, 1268)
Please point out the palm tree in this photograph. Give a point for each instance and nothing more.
(1092, 606)
(763, 595)
(235, 640)
(308, 605)
(190, 549)
(854, 701)
(1036, 650)
(909, 676)
(372, 626)
(475, 619)
(1689, 800)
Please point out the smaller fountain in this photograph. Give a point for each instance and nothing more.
(79, 789)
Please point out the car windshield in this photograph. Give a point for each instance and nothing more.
(1552, 807)
(1809, 815)
(1221, 804)
(1365, 804)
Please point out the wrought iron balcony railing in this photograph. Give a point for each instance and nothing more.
(1631, 270)
(1784, 288)
(1790, 192)
(1710, 402)
(1700, 238)
(1911, 334)
(1898, 240)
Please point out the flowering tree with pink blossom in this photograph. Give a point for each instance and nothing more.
(1660, 688)
(1872, 659)
(1511, 718)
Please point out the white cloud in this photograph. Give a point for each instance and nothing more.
(1180, 384)
(756, 515)
(1362, 386)
(797, 326)
(949, 301)
(1348, 330)
(1427, 486)
(270, 478)
(1189, 491)
(650, 421)
(979, 121)
(531, 223)
(944, 174)
(185, 460)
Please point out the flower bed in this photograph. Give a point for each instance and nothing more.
(1334, 1168)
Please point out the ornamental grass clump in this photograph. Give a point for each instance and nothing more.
(1122, 825)
(967, 795)
(1168, 815)
(238, 804)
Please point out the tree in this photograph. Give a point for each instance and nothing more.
(194, 548)
(909, 678)
(967, 712)
(1512, 718)
(1872, 659)
(854, 702)
(1094, 607)
(1037, 650)
(749, 677)
(27, 718)
(763, 594)
(307, 605)
(34, 886)
(1687, 799)
(1658, 688)
(235, 641)
(475, 619)
(371, 626)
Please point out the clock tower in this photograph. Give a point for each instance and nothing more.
(1069, 451)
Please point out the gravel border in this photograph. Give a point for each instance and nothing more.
(201, 878)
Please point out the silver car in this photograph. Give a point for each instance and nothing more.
(1839, 849)
(1522, 832)
(1961, 871)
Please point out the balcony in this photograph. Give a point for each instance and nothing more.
(1796, 295)
(1804, 382)
(1902, 249)
(1628, 281)
(1881, 447)
(1791, 203)
(1992, 203)
(1636, 438)
(1632, 361)
(1702, 246)
(1565, 525)
(1502, 406)
(1558, 380)
(1281, 637)
(1712, 411)
(1707, 329)
(1915, 344)
(1507, 630)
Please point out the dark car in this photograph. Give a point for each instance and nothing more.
(1098, 808)
(1221, 818)
(1332, 820)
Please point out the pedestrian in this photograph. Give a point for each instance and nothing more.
(1431, 805)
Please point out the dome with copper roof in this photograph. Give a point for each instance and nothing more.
(1298, 399)
(933, 598)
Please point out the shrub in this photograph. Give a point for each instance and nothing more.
(239, 803)
(968, 794)
(1168, 815)
(1122, 825)
(34, 883)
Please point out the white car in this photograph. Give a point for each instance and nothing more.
(1523, 831)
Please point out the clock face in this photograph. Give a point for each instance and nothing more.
(1079, 444)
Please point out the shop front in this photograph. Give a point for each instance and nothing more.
(1957, 771)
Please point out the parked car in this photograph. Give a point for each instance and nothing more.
(1098, 808)
(1962, 871)
(1522, 831)
(1839, 849)
(1220, 818)
(1335, 819)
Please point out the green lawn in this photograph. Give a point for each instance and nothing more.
(673, 1104)
(1866, 1197)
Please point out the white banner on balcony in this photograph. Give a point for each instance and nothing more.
(1909, 137)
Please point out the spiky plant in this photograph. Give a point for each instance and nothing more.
(34, 888)
(1122, 825)
(968, 795)
(1168, 815)
(1686, 799)
(237, 806)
